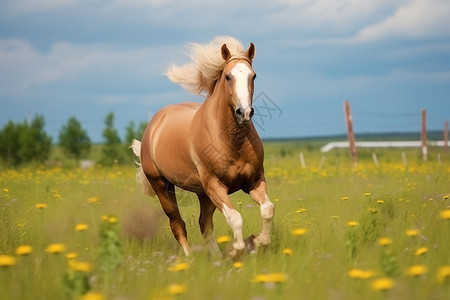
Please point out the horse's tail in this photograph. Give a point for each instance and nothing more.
(140, 175)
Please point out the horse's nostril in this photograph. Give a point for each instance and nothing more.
(238, 112)
(252, 112)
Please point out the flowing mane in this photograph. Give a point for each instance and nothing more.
(200, 76)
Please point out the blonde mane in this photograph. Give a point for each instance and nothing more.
(200, 76)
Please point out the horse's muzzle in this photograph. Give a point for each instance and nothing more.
(244, 115)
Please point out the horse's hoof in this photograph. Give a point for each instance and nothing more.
(251, 244)
(235, 254)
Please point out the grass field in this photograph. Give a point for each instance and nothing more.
(340, 232)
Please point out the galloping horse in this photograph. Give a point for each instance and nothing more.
(210, 148)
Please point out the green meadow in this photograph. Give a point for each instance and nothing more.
(340, 232)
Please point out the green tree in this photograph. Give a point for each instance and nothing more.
(25, 142)
(9, 143)
(112, 150)
(133, 133)
(35, 143)
(74, 139)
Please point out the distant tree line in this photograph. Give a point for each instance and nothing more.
(27, 141)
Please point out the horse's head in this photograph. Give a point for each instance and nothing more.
(239, 78)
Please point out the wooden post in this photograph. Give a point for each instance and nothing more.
(424, 135)
(302, 160)
(375, 159)
(446, 137)
(322, 162)
(350, 134)
(405, 162)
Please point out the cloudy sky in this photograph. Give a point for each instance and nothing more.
(85, 58)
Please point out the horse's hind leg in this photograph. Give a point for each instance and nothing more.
(166, 194)
(205, 221)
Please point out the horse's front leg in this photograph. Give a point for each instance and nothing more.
(259, 195)
(219, 196)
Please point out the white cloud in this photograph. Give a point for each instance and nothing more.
(420, 19)
(328, 22)
(23, 67)
(330, 17)
(24, 7)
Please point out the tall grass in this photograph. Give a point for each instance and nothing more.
(330, 217)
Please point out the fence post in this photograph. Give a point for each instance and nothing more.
(350, 133)
(424, 135)
(405, 162)
(375, 159)
(302, 160)
(446, 137)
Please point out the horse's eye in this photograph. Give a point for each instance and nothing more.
(227, 78)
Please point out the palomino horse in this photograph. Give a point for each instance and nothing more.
(209, 148)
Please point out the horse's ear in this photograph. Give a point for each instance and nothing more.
(225, 52)
(250, 51)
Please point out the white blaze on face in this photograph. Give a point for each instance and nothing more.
(241, 72)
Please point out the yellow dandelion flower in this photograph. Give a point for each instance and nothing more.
(412, 232)
(93, 296)
(445, 197)
(386, 241)
(373, 210)
(80, 266)
(93, 199)
(445, 214)
(443, 274)
(81, 227)
(223, 239)
(24, 250)
(176, 289)
(41, 205)
(112, 220)
(238, 265)
(261, 278)
(360, 274)
(7, 261)
(421, 250)
(71, 255)
(367, 194)
(287, 251)
(276, 200)
(179, 267)
(417, 270)
(277, 277)
(353, 223)
(299, 231)
(271, 277)
(335, 217)
(300, 210)
(382, 284)
(6, 190)
(55, 248)
(380, 201)
(56, 194)
(345, 198)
